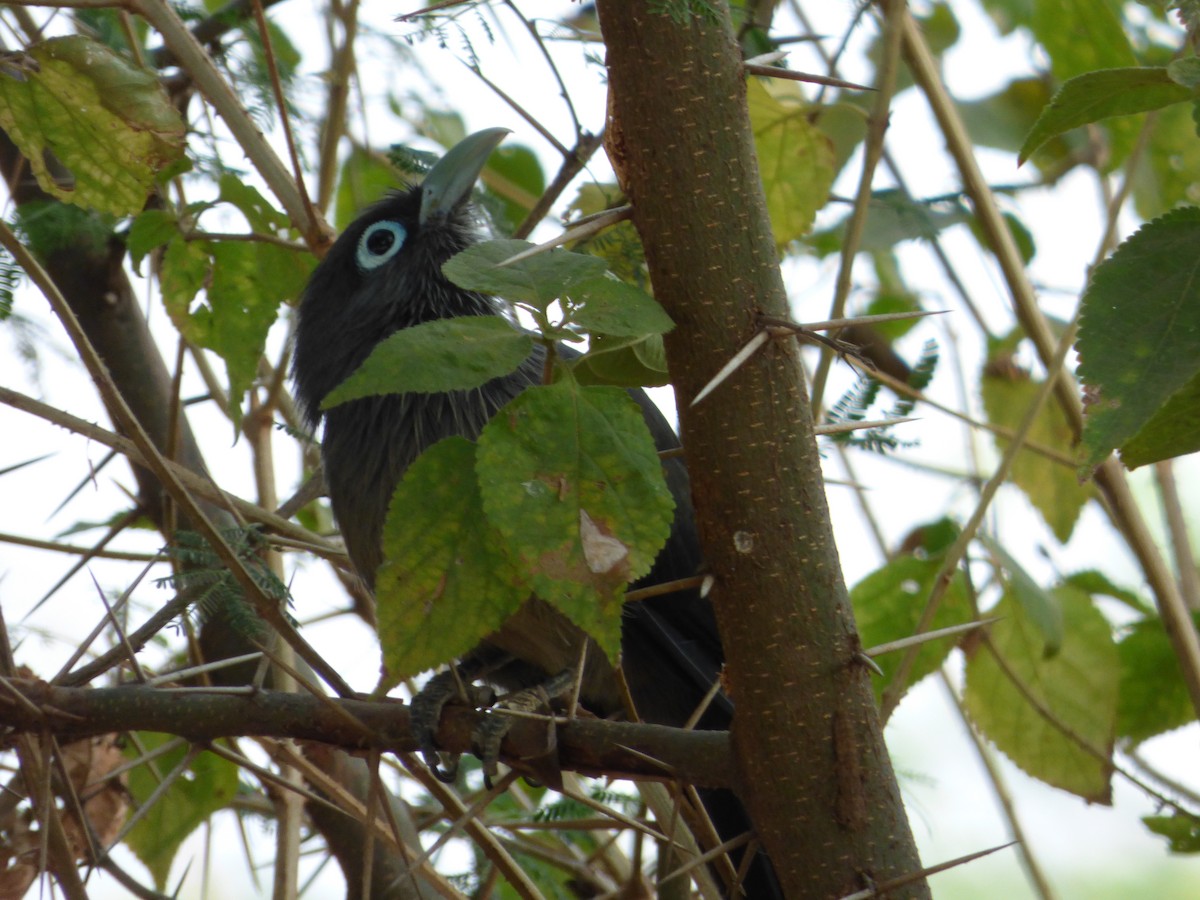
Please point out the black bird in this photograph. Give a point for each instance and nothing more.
(384, 274)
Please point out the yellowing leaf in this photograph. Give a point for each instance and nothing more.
(1054, 489)
(1055, 717)
(794, 157)
(108, 123)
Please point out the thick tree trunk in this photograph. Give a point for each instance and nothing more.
(814, 771)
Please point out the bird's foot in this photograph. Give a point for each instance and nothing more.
(490, 733)
(530, 701)
(427, 708)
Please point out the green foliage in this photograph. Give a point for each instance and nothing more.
(208, 784)
(1054, 716)
(1181, 830)
(443, 355)
(213, 586)
(888, 604)
(1153, 697)
(855, 405)
(447, 581)
(245, 282)
(1094, 96)
(571, 478)
(1139, 345)
(795, 158)
(1053, 488)
(892, 218)
(106, 122)
(533, 283)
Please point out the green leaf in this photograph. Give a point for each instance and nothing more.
(607, 306)
(246, 284)
(1168, 174)
(893, 217)
(107, 122)
(537, 281)
(446, 581)
(1098, 584)
(1185, 72)
(1018, 703)
(1053, 489)
(1154, 698)
(794, 157)
(443, 355)
(1181, 830)
(185, 266)
(1139, 343)
(888, 605)
(571, 477)
(208, 785)
(514, 177)
(151, 229)
(1083, 36)
(1041, 607)
(1101, 95)
(261, 216)
(623, 361)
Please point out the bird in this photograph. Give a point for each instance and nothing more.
(383, 274)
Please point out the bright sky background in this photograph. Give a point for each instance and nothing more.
(1088, 852)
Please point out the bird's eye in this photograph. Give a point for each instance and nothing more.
(379, 243)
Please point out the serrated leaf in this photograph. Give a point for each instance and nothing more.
(108, 122)
(1053, 489)
(1154, 698)
(607, 306)
(1139, 338)
(443, 355)
(1102, 95)
(795, 158)
(888, 605)
(571, 478)
(536, 281)
(446, 581)
(208, 785)
(1077, 687)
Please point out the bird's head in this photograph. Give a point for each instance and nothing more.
(384, 273)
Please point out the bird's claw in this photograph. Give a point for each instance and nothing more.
(427, 709)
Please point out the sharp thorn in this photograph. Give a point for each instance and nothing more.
(925, 637)
(733, 365)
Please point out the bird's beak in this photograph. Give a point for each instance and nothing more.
(450, 181)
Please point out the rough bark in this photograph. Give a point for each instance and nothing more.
(813, 768)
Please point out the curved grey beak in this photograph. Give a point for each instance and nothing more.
(450, 181)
